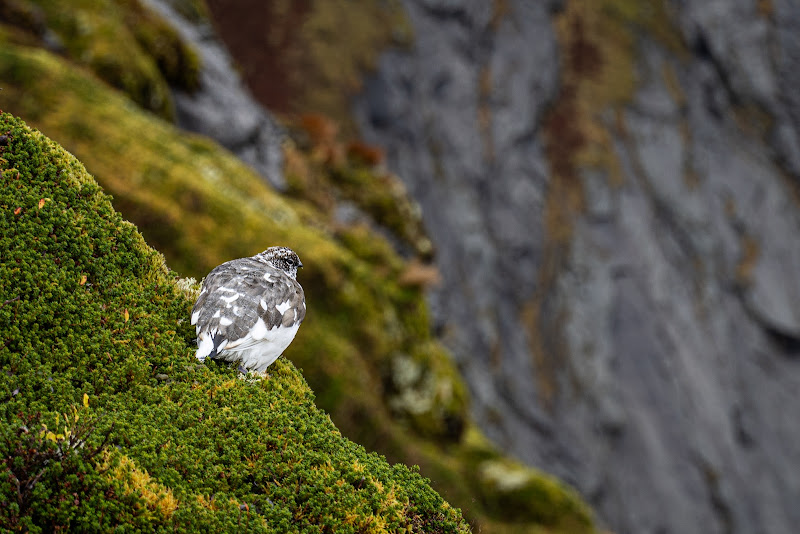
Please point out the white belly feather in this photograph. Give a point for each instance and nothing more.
(257, 350)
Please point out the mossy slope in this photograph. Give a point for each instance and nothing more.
(89, 309)
(200, 206)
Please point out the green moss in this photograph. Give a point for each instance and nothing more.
(514, 493)
(427, 391)
(177, 62)
(194, 11)
(89, 309)
(383, 196)
(122, 42)
(325, 170)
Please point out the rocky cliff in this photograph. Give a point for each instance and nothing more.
(612, 190)
(107, 424)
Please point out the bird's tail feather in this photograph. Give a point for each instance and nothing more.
(209, 345)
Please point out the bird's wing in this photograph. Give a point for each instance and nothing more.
(245, 299)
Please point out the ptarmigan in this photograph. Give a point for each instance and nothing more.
(250, 309)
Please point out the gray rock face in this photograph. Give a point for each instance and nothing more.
(223, 108)
(658, 369)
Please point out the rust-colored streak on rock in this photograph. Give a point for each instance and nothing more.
(261, 36)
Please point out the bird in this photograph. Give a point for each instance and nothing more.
(249, 309)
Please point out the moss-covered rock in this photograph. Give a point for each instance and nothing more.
(514, 492)
(121, 41)
(324, 169)
(93, 326)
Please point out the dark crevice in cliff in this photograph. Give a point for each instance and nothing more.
(788, 344)
(447, 14)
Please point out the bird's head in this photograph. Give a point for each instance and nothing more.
(282, 258)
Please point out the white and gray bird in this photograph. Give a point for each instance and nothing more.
(250, 309)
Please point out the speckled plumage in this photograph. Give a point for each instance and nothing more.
(249, 309)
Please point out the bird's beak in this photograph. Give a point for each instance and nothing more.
(299, 264)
